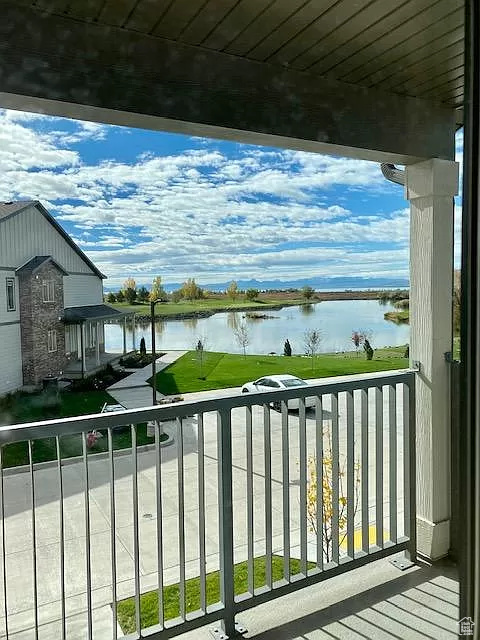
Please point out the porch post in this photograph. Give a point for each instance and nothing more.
(134, 337)
(97, 343)
(430, 187)
(124, 335)
(82, 342)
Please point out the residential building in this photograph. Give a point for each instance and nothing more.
(51, 302)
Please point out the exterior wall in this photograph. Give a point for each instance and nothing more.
(11, 377)
(37, 318)
(82, 290)
(29, 234)
(8, 316)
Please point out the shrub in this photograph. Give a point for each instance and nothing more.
(287, 349)
(251, 294)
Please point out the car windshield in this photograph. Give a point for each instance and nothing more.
(293, 382)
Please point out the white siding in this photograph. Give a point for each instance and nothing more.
(79, 291)
(8, 316)
(29, 234)
(11, 377)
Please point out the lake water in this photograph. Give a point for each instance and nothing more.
(336, 320)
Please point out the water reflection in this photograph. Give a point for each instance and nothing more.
(336, 320)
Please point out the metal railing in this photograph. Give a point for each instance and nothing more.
(248, 503)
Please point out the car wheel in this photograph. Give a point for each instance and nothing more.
(245, 390)
(277, 406)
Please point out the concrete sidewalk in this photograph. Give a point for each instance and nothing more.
(134, 391)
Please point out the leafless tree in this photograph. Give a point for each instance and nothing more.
(242, 336)
(311, 341)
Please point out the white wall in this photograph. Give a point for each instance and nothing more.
(80, 291)
(29, 234)
(11, 377)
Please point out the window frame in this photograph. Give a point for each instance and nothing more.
(52, 344)
(48, 286)
(10, 286)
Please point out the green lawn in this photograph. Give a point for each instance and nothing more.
(222, 370)
(171, 593)
(34, 407)
(209, 304)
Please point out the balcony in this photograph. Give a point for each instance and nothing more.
(238, 485)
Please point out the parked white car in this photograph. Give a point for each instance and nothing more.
(279, 381)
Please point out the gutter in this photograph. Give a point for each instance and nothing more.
(393, 174)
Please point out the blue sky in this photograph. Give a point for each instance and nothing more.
(143, 203)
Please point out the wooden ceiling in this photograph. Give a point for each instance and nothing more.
(407, 47)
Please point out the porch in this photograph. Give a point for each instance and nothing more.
(236, 485)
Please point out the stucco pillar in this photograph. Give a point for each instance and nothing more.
(134, 337)
(124, 335)
(430, 187)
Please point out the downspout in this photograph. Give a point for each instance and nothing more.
(393, 174)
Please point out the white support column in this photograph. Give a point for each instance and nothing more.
(82, 341)
(97, 343)
(134, 337)
(430, 187)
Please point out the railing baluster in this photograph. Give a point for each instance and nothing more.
(350, 477)
(249, 451)
(392, 461)
(201, 512)
(364, 472)
(268, 494)
(302, 425)
(113, 539)
(335, 476)
(225, 508)
(181, 516)
(286, 491)
(4, 543)
(409, 467)
(136, 537)
(319, 477)
(158, 479)
(62, 538)
(34, 538)
(379, 471)
(87, 539)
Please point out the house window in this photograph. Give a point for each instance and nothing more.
(48, 289)
(52, 341)
(10, 294)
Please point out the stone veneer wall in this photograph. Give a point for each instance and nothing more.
(36, 319)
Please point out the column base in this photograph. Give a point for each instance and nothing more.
(433, 538)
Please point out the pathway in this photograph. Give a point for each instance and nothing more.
(134, 391)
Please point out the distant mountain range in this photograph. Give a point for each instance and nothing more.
(320, 283)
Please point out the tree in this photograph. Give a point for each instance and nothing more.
(200, 353)
(311, 340)
(120, 296)
(242, 336)
(190, 290)
(251, 294)
(327, 498)
(143, 348)
(142, 294)
(287, 349)
(157, 292)
(357, 339)
(111, 297)
(130, 295)
(176, 295)
(232, 290)
(307, 292)
(130, 290)
(368, 349)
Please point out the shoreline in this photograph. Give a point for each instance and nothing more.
(321, 296)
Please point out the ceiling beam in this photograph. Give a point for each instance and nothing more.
(61, 66)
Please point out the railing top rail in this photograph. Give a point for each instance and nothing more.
(76, 424)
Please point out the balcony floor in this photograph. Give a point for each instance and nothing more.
(375, 602)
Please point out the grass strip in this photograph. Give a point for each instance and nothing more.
(171, 593)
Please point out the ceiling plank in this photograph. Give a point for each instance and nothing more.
(146, 14)
(178, 17)
(92, 71)
(207, 20)
(245, 12)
